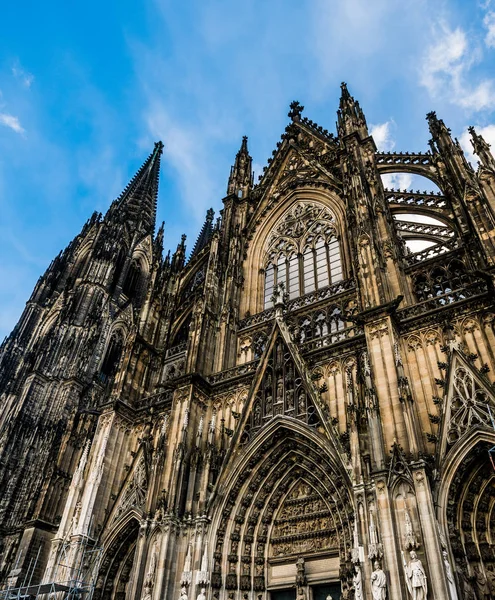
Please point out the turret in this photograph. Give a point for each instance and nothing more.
(179, 256)
(482, 149)
(450, 152)
(205, 233)
(350, 117)
(241, 174)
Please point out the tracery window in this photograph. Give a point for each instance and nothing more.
(445, 283)
(303, 253)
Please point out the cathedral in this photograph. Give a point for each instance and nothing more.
(302, 407)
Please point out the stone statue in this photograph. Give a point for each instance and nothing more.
(482, 587)
(415, 577)
(378, 583)
(465, 585)
(357, 581)
(450, 576)
(202, 594)
(183, 594)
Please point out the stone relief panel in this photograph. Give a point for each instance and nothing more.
(303, 525)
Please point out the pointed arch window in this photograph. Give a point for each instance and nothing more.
(303, 254)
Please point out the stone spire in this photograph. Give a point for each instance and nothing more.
(241, 174)
(205, 233)
(137, 203)
(482, 149)
(350, 117)
(179, 256)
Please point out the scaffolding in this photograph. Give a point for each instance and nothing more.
(74, 576)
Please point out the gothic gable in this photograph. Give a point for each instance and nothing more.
(294, 167)
(134, 490)
(469, 402)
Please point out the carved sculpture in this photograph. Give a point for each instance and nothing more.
(450, 576)
(183, 593)
(357, 581)
(378, 583)
(415, 577)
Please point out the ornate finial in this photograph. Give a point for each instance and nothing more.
(159, 146)
(210, 213)
(345, 91)
(296, 109)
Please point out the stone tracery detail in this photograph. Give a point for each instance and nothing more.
(303, 252)
(281, 392)
(134, 494)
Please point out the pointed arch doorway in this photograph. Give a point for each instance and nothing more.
(287, 498)
(117, 564)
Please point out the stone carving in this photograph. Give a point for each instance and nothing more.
(409, 537)
(186, 576)
(378, 583)
(450, 576)
(202, 576)
(149, 580)
(375, 549)
(357, 581)
(469, 405)
(183, 594)
(415, 577)
(202, 594)
(303, 524)
(481, 582)
(134, 494)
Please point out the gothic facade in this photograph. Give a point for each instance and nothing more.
(303, 408)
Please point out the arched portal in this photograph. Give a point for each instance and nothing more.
(287, 499)
(117, 563)
(467, 512)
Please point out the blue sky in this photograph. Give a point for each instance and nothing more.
(86, 88)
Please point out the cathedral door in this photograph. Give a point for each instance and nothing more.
(321, 592)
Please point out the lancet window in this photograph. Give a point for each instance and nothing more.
(303, 253)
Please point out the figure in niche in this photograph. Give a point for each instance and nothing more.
(279, 357)
(290, 373)
(450, 576)
(301, 404)
(202, 594)
(415, 577)
(465, 585)
(290, 399)
(183, 594)
(257, 415)
(268, 405)
(378, 583)
(358, 583)
(268, 381)
(481, 581)
(280, 390)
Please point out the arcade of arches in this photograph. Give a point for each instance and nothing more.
(300, 408)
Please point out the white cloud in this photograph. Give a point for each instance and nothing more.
(383, 136)
(445, 71)
(19, 73)
(488, 134)
(489, 23)
(12, 122)
(397, 181)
